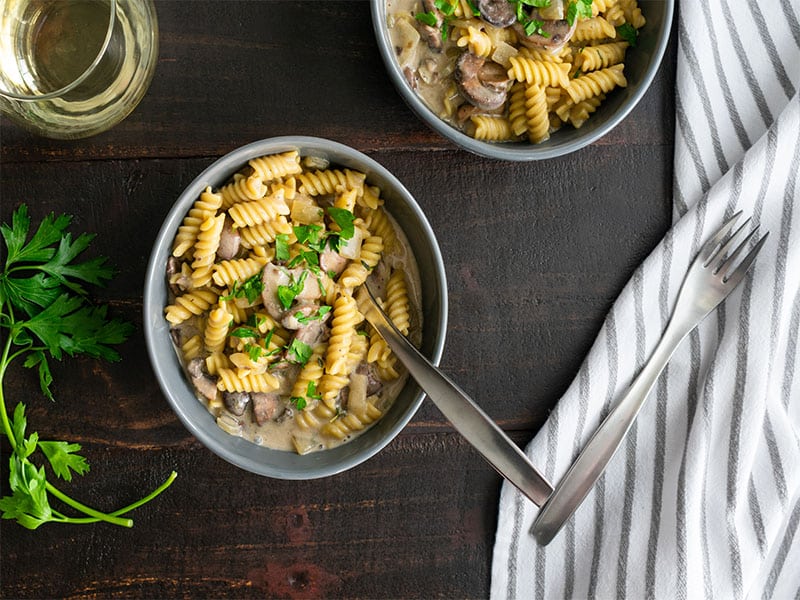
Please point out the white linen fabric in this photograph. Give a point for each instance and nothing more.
(703, 498)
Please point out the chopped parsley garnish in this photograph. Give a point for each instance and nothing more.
(282, 246)
(579, 8)
(254, 351)
(473, 8)
(250, 289)
(307, 256)
(344, 219)
(628, 33)
(245, 332)
(531, 26)
(317, 316)
(428, 18)
(299, 402)
(445, 6)
(299, 352)
(287, 293)
(310, 236)
(534, 26)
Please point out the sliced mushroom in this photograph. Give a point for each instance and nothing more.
(274, 276)
(201, 380)
(266, 406)
(374, 383)
(557, 32)
(432, 34)
(229, 241)
(499, 13)
(236, 402)
(330, 260)
(482, 82)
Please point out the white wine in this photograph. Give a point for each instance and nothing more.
(64, 40)
(73, 68)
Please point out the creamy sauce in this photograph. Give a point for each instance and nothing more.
(430, 73)
(287, 426)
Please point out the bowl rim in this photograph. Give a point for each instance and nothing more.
(155, 293)
(510, 152)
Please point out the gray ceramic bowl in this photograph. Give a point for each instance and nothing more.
(641, 64)
(244, 454)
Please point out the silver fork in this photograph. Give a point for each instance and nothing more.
(711, 277)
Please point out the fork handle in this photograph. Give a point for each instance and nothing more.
(595, 456)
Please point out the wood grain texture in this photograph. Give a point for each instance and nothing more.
(535, 254)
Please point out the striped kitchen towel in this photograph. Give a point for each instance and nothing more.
(703, 498)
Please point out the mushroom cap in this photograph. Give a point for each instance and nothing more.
(482, 82)
(499, 13)
(558, 32)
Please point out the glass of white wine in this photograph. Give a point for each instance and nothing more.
(74, 68)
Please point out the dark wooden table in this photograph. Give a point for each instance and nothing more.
(535, 255)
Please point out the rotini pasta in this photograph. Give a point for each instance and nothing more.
(486, 72)
(269, 329)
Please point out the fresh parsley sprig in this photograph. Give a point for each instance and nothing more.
(44, 314)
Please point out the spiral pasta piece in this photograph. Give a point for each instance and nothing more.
(189, 304)
(268, 208)
(477, 40)
(205, 249)
(592, 58)
(353, 420)
(345, 319)
(217, 329)
(538, 72)
(192, 347)
(275, 166)
(371, 198)
(397, 303)
(314, 416)
(230, 381)
(326, 182)
(311, 372)
(226, 272)
(580, 112)
(379, 224)
(596, 28)
(495, 129)
(204, 207)
(242, 189)
(358, 270)
(536, 117)
(264, 233)
(596, 83)
(516, 110)
(216, 361)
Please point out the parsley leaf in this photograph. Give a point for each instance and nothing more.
(287, 293)
(44, 314)
(63, 459)
(299, 352)
(282, 246)
(245, 332)
(628, 33)
(250, 289)
(317, 316)
(428, 18)
(344, 219)
(299, 402)
(579, 8)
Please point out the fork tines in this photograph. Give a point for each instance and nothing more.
(723, 255)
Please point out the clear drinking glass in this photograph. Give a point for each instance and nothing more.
(74, 68)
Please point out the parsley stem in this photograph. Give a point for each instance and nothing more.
(87, 510)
